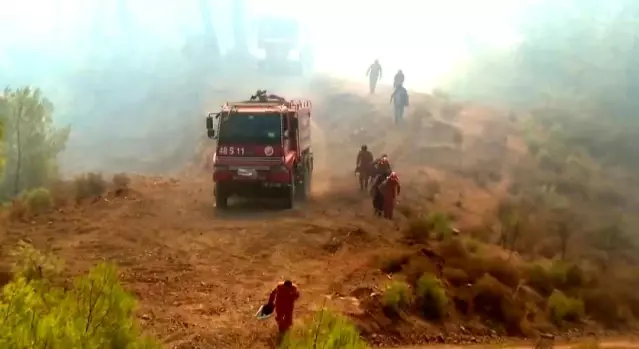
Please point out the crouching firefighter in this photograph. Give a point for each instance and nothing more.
(390, 189)
(283, 298)
(364, 167)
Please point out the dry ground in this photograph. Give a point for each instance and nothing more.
(200, 274)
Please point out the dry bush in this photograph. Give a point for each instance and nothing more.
(406, 209)
(503, 271)
(18, 210)
(589, 344)
(433, 189)
(539, 279)
(90, 185)
(61, 192)
(483, 233)
(432, 297)
(472, 265)
(456, 277)
(494, 301)
(451, 111)
(453, 249)
(604, 306)
(483, 173)
(562, 308)
(418, 230)
(120, 183)
(392, 263)
(38, 200)
(397, 297)
(416, 267)
(472, 245)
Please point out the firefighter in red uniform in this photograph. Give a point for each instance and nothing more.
(382, 171)
(283, 298)
(390, 189)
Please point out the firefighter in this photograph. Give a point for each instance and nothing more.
(363, 166)
(398, 79)
(376, 193)
(283, 298)
(382, 166)
(382, 169)
(400, 99)
(390, 189)
(374, 74)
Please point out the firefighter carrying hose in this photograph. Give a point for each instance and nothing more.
(283, 298)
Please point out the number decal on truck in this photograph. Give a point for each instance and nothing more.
(239, 151)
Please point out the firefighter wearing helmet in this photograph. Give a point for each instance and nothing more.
(381, 191)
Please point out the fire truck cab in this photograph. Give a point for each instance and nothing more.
(263, 149)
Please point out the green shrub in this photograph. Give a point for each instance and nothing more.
(562, 308)
(327, 331)
(397, 296)
(95, 313)
(39, 200)
(31, 264)
(439, 223)
(567, 276)
(432, 297)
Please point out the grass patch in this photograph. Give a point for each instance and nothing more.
(397, 297)
(562, 308)
(326, 330)
(432, 297)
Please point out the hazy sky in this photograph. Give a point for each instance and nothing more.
(426, 38)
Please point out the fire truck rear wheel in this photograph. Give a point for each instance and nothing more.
(304, 188)
(290, 196)
(221, 197)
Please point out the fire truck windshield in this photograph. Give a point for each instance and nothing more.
(251, 128)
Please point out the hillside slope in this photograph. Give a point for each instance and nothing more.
(200, 274)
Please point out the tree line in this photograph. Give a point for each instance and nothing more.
(30, 141)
